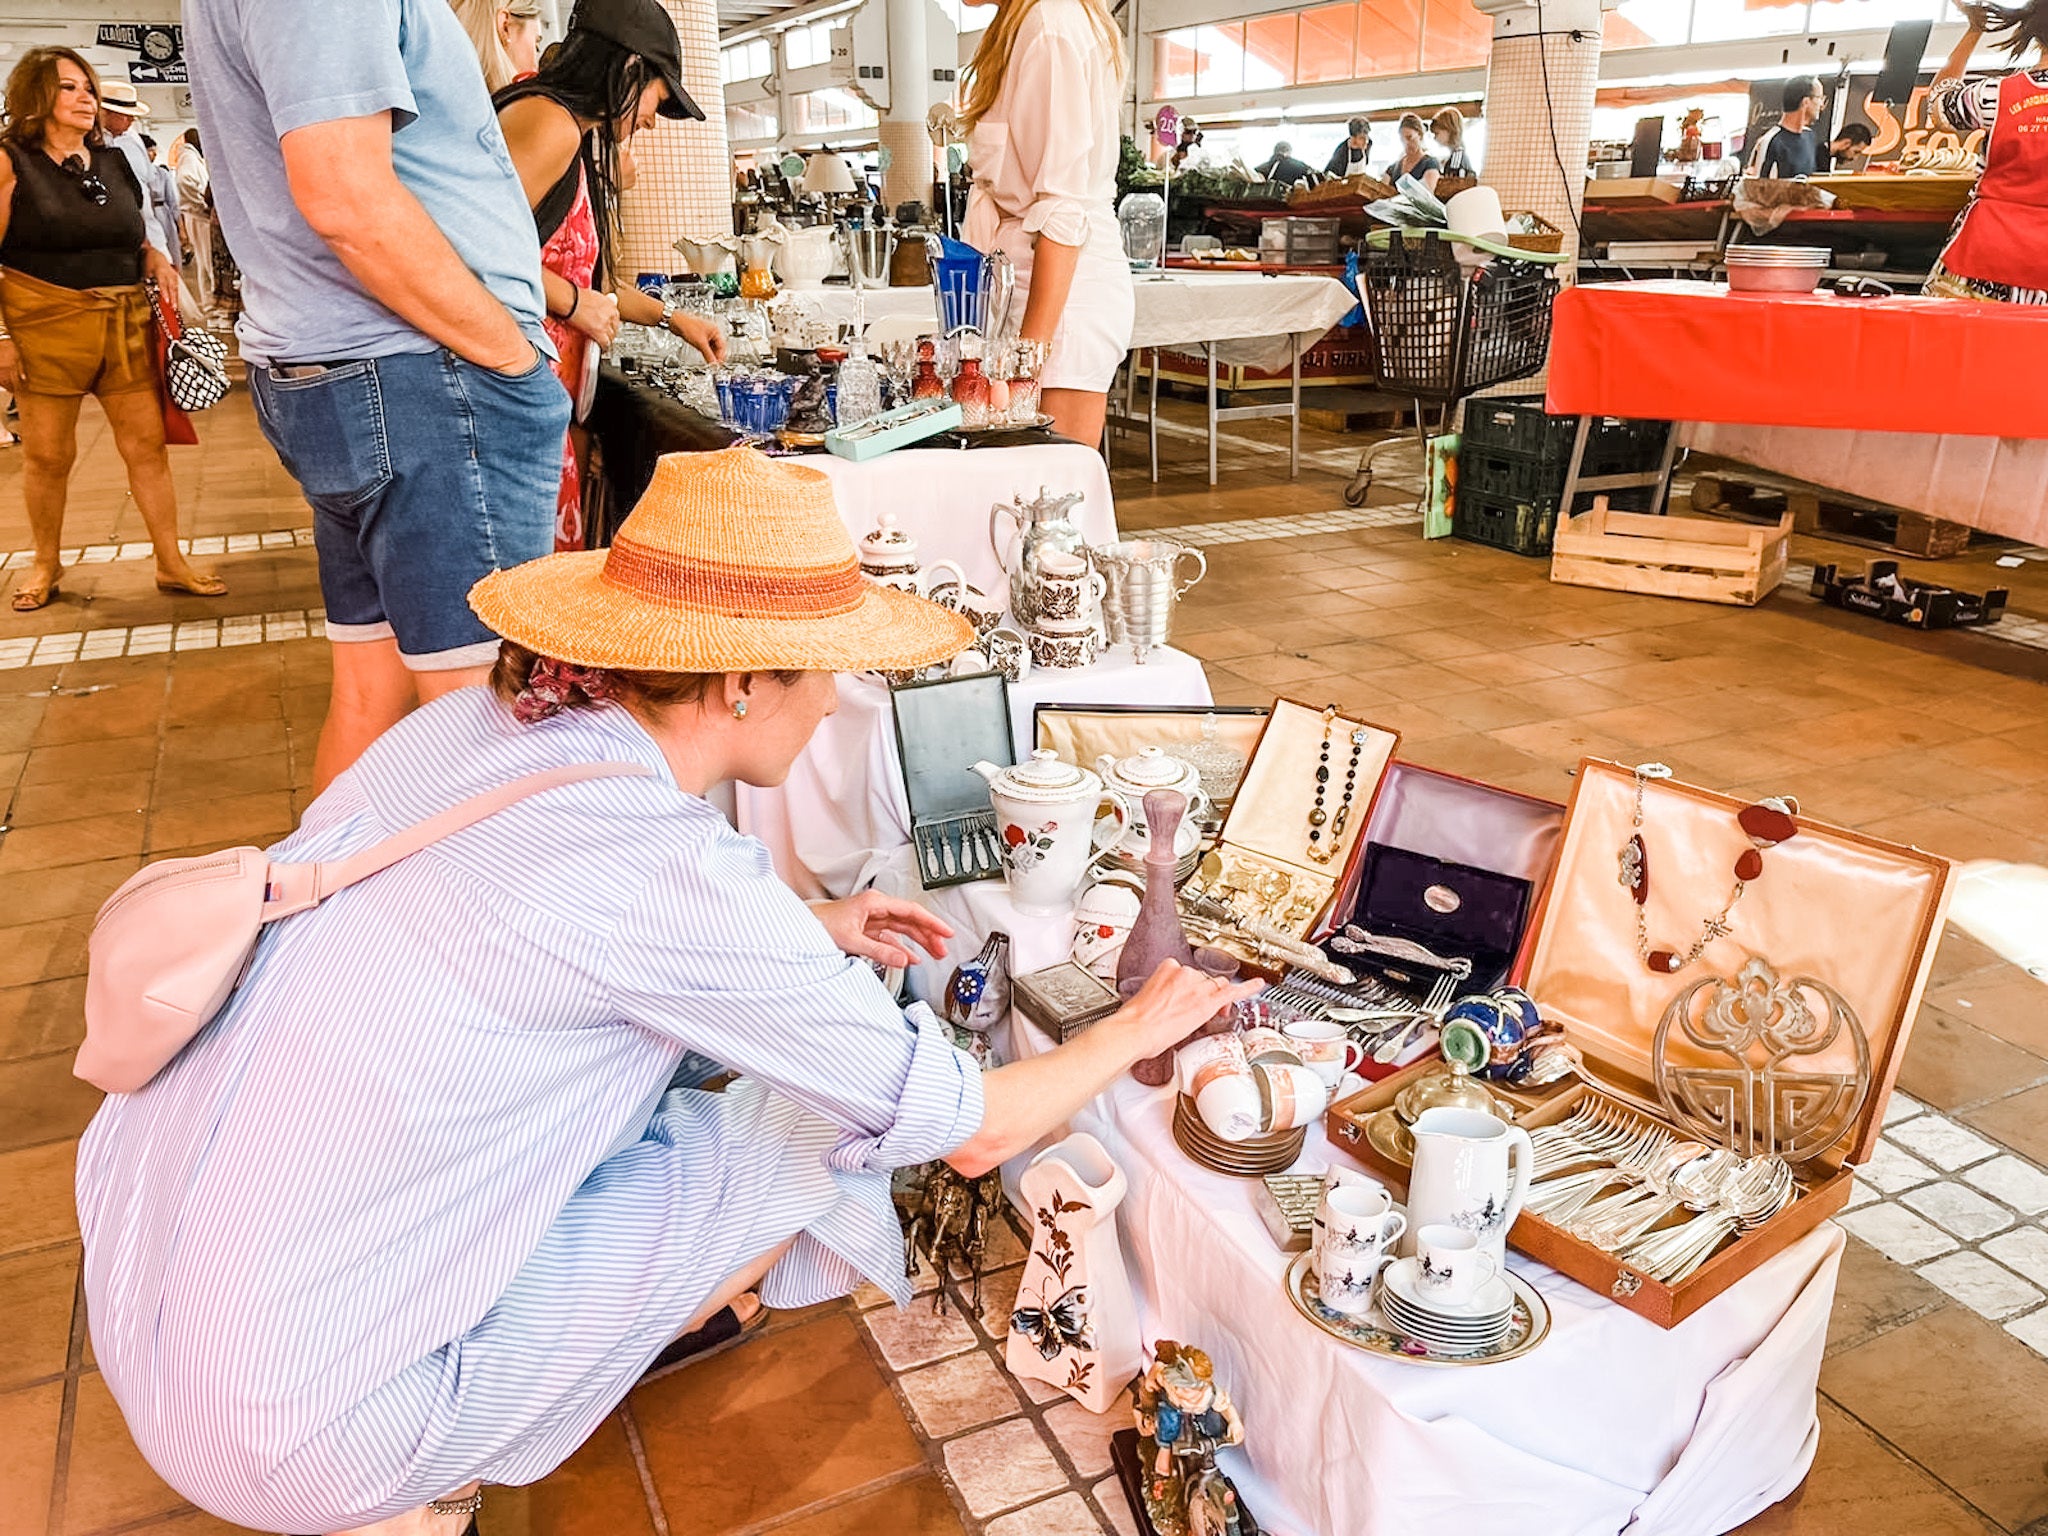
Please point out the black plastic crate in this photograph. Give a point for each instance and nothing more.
(1508, 476)
(1883, 594)
(1618, 446)
(1520, 527)
(1615, 446)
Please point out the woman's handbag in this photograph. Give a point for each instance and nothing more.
(174, 941)
(193, 364)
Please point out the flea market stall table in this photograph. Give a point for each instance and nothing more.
(1610, 1424)
(1917, 410)
(1256, 320)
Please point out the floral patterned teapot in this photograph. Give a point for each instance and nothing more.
(1045, 815)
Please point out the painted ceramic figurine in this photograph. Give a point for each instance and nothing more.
(1184, 1418)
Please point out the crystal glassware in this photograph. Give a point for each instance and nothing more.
(970, 393)
(860, 389)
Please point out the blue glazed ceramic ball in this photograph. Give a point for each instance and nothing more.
(1490, 1033)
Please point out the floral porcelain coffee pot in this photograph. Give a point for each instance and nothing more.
(1045, 816)
(890, 556)
(1041, 526)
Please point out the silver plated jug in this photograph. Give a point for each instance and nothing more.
(1040, 526)
(1143, 587)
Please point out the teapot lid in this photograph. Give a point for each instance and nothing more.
(1043, 776)
(888, 542)
(1149, 768)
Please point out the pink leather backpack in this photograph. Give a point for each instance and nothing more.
(170, 945)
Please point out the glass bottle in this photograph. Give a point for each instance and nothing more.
(860, 388)
(1157, 934)
(970, 393)
(927, 385)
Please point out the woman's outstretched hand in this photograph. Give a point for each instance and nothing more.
(872, 926)
(1176, 1000)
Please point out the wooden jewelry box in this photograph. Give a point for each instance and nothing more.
(1858, 915)
(1264, 846)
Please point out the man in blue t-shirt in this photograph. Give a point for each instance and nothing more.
(392, 325)
(1790, 148)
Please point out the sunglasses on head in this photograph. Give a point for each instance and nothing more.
(88, 180)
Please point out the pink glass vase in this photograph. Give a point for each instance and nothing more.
(1157, 934)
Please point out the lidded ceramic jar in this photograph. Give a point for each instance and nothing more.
(888, 551)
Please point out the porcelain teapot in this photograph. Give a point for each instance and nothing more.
(889, 555)
(805, 260)
(707, 257)
(1126, 781)
(1045, 818)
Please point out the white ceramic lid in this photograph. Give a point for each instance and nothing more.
(888, 544)
(1044, 777)
(1152, 768)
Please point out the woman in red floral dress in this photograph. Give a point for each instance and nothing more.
(567, 127)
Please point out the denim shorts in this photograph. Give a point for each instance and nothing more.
(425, 473)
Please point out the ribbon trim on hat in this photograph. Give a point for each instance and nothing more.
(740, 591)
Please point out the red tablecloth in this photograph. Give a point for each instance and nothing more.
(1692, 351)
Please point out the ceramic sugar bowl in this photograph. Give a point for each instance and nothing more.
(1128, 779)
(890, 556)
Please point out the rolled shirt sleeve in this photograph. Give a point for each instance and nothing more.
(1049, 82)
(322, 73)
(1965, 105)
(721, 957)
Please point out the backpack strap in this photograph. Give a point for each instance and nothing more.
(295, 887)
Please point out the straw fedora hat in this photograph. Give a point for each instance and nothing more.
(732, 562)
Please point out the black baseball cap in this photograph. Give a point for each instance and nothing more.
(642, 27)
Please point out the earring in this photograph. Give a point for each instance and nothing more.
(739, 709)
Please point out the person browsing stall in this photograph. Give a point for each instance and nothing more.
(1281, 166)
(420, 1204)
(1353, 154)
(75, 315)
(1415, 161)
(1998, 250)
(617, 70)
(506, 38)
(1790, 148)
(1448, 129)
(1040, 102)
(392, 299)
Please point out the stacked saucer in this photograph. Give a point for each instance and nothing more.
(1252, 1158)
(1469, 1327)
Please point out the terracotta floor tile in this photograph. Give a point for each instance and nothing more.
(37, 1204)
(1002, 1466)
(1956, 836)
(28, 1456)
(127, 710)
(196, 1522)
(81, 841)
(2008, 1004)
(187, 780)
(2019, 1122)
(59, 765)
(1067, 1515)
(958, 1394)
(917, 1506)
(49, 1016)
(1084, 1436)
(259, 818)
(596, 1492)
(1950, 1063)
(36, 1292)
(221, 743)
(41, 1101)
(19, 718)
(1960, 955)
(1875, 1295)
(66, 800)
(798, 1416)
(917, 1335)
(35, 951)
(109, 1483)
(1922, 1388)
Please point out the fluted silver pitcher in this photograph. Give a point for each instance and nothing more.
(1143, 587)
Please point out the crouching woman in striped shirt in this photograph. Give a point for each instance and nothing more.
(418, 1207)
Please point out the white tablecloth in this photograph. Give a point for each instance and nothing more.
(1259, 321)
(942, 496)
(839, 818)
(1610, 1425)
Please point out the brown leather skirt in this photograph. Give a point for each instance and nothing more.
(79, 341)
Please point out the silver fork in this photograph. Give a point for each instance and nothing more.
(1597, 1130)
(1560, 1200)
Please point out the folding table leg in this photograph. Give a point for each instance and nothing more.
(1294, 419)
(1152, 417)
(1210, 348)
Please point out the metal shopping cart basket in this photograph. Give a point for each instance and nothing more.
(1441, 330)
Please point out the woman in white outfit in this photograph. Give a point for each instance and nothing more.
(1041, 105)
(195, 215)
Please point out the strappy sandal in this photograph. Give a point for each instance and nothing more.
(28, 598)
(720, 1333)
(201, 585)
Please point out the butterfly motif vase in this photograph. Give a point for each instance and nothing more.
(1075, 1325)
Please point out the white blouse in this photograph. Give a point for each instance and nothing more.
(1045, 155)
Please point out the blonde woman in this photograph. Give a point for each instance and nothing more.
(505, 35)
(1448, 127)
(1041, 105)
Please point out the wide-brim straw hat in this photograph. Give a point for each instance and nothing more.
(732, 562)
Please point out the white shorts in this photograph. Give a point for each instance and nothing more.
(1095, 329)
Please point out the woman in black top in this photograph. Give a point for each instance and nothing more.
(1449, 128)
(1414, 160)
(74, 314)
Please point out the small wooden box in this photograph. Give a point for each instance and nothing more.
(1861, 914)
(1695, 557)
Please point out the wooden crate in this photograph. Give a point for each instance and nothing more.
(1710, 562)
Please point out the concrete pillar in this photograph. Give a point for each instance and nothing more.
(685, 181)
(910, 96)
(1539, 109)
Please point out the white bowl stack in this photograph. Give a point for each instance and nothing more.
(1775, 268)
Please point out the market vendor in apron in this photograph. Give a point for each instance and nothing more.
(1999, 249)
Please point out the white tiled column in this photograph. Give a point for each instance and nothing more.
(685, 182)
(1540, 82)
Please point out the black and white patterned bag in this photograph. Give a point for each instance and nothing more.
(195, 370)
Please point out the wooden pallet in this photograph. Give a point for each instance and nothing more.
(1689, 557)
(1843, 519)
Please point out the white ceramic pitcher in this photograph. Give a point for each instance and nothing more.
(1075, 1325)
(1465, 1177)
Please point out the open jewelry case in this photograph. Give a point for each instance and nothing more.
(1785, 1032)
(1448, 881)
(1263, 858)
(943, 728)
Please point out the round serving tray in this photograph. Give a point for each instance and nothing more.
(1040, 420)
(1531, 1324)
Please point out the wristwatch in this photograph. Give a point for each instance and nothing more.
(668, 309)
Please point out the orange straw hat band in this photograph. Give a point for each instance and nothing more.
(731, 562)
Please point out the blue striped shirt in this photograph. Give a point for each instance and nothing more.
(386, 1131)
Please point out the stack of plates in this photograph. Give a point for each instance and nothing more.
(1775, 268)
(1446, 1328)
(1252, 1159)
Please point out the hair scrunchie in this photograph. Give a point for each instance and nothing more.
(552, 686)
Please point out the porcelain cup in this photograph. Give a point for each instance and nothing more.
(1325, 1049)
(1356, 1227)
(1451, 1264)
